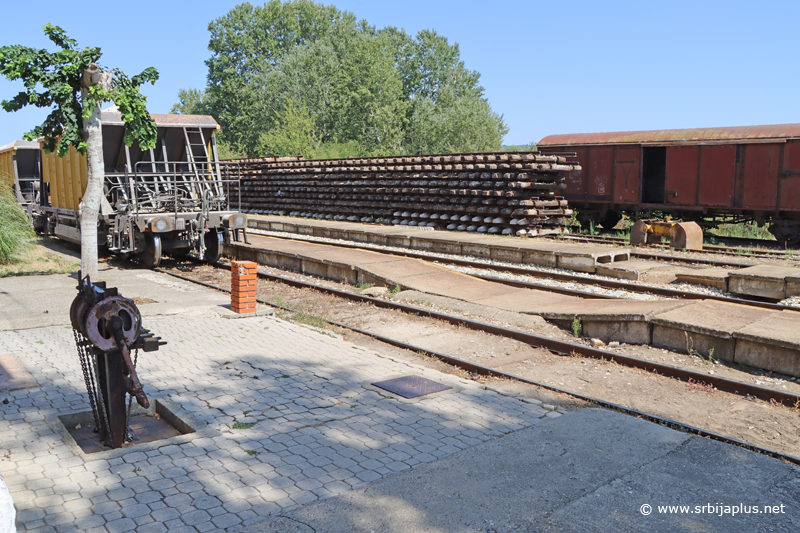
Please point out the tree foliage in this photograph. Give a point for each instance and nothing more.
(301, 77)
(74, 86)
(53, 79)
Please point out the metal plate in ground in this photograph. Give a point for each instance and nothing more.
(143, 429)
(411, 386)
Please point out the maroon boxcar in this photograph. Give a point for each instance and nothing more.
(709, 175)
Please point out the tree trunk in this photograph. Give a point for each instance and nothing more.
(90, 202)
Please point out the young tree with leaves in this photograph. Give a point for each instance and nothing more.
(74, 86)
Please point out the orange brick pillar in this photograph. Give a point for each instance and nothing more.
(243, 287)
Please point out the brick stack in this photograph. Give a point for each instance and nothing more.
(515, 193)
(243, 287)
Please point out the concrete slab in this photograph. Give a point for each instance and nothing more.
(792, 285)
(704, 326)
(765, 281)
(30, 302)
(612, 320)
(529, 301)
(612, 473)
(709, 277)
(579, 257)
(388, 270)
(772, 342)
(632, 269)
(464, 287)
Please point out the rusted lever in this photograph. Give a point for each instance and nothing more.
(131, 380)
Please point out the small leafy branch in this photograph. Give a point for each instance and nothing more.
(60, 75)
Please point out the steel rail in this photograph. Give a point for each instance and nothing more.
(758, 246)
(673, 293)
(609, 284)
(773, 253)
(562, 347)
(690, 260)
(487, 371)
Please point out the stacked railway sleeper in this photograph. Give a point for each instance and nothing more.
(497, 193)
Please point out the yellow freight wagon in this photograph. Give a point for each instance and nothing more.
(174, 198)
(20, 170)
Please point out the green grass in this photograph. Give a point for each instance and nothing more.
(243, 425)
(310, 320)
(16, 232)
(748, 230)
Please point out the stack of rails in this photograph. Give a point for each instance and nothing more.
(508, 193)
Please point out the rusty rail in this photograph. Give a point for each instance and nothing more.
(609, 284)
(754, 390)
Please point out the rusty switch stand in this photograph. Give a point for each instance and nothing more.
(107, 328)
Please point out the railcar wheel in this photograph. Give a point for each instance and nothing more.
(610, 219)
(151, 257)
(787, 234)
(213, 242)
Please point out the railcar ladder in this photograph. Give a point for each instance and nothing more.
(196, 154)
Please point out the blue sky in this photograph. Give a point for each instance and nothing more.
(548, 66)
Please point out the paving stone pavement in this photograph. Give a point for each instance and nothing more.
(319, 427)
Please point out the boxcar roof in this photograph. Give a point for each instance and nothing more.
(685, 136)
(113, 118)
(20, 144)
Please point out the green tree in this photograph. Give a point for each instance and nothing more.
(191, 102)
(353, 89)
(447, 110)
(74, 86)
(454, 124)
(294, 134)
(246, 45)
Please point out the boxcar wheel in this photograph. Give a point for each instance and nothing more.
(213, 242)
(787, 234)
(151, 257)
(610, 219)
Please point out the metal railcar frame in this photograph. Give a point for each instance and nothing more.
(174, 198)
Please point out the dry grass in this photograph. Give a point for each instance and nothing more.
(37, 259)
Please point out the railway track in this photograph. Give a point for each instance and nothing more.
(556, 346)
(747, 249)
(569, 278)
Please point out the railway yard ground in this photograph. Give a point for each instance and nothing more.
(292, 435)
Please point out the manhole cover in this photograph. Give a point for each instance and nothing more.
(411, 386)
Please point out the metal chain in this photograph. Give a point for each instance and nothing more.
(105, 436)
(80, 343)
(128, 436)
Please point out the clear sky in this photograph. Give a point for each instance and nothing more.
(548, 66)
